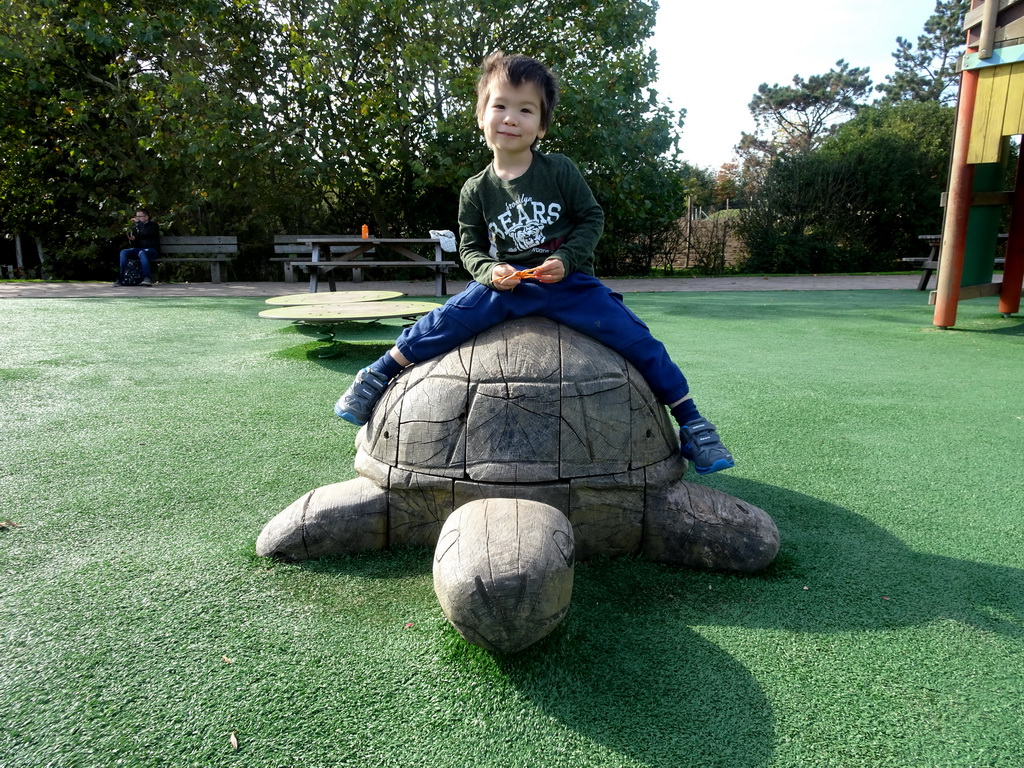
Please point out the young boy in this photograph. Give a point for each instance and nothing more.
(539, 213)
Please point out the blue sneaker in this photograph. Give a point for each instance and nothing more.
(359, 400)
(702, 447)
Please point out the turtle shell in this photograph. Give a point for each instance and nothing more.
(527, 409)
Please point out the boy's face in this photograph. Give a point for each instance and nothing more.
(511, 117)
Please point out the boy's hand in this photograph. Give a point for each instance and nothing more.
(504, 277)
(551, 271)
(501, 277)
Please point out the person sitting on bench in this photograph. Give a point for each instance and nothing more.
(144, 237)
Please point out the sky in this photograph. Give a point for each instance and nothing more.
(713, 55)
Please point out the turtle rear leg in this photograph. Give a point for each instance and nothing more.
(702, 527)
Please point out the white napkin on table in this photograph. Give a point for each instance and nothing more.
(447, 238)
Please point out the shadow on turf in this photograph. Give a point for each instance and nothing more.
(1013, 326)
(643, 683)
(342, 347)
(623, 670)
(626, 671)
(861, 577)
(632, 668)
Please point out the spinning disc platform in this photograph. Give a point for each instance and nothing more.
(332, 297)
(357, 310)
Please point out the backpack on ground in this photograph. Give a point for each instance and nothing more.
(132, 274)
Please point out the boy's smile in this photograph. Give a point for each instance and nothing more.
(511, 119)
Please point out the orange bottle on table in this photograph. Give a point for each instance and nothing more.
(366, 232)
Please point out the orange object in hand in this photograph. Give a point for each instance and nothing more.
(522, 274)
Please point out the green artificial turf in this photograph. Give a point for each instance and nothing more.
(145, 442)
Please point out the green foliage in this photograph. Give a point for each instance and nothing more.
(860, 201)
(925, 127)
(106, 106)
(783, 228)
(829, 197)
(391, 119)
(230, 117)
(929, 73)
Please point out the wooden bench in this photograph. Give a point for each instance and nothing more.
(300, 256)
(217, 250)
(928, 264)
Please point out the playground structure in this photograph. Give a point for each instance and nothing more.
(990, 109)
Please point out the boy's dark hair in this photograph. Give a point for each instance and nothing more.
(517, 69)
(145, 211)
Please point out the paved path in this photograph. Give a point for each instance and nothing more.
(35, 290)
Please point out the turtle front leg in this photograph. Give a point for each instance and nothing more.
(337, 519)
(701, 527)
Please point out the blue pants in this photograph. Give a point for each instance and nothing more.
(143, 255)
(580, 301)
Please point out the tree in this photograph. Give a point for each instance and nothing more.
(929, 72)
(104, 106)
(234, 117)
(860, 201)
(379, 101)
(799, 116)
(728, 189)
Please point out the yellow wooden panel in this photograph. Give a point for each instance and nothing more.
(996, 110)
(979, 123)
(1013, 118)
(989, 108)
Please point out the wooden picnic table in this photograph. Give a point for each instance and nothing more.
(930, 263)
(354, 249)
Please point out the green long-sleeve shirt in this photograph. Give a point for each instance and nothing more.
(548, 211)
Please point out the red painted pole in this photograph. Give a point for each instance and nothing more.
(1013, 270)
(958, 207)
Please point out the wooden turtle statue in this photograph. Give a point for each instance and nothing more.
(518, 452)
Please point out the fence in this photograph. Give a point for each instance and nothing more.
(708, 242)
